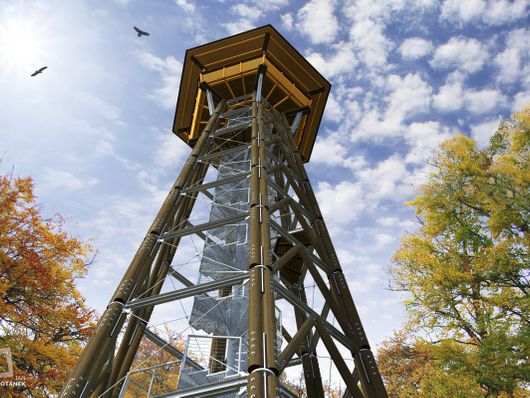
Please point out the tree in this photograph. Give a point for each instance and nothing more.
(43, 318)
(411, 369)
(154, 368)
(467, 268)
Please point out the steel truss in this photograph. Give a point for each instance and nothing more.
(279, 232)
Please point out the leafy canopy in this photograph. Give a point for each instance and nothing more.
(43, 318)
(467, 268)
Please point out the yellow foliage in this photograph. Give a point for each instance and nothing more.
(466, 270)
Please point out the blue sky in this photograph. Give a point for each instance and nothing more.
(94, 130)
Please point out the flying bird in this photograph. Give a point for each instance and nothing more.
(38, 71)
(141, 32)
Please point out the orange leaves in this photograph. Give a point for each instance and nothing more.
(42, 316)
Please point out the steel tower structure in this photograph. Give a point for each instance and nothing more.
(249, 105)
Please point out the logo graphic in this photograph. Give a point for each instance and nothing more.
(6, 363)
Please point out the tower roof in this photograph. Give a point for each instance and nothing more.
(229, 66)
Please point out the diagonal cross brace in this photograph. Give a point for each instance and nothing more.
(164, 345)
(295, 242)
(188, 291)
(294, 344)
(332, 330)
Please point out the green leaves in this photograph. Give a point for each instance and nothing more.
(467, 268)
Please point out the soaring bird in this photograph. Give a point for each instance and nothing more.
(141, 32)
(38, 71)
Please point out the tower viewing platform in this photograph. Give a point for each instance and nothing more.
(229, 69)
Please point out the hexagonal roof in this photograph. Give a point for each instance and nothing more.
(263, 42)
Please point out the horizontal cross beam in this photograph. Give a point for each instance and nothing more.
(202, 227)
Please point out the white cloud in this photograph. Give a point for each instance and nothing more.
(415, 47)
(331, 151)
(465, 11)
(410, 95)
(491, 12)
(328, 150)
(385, 180)
(272, 5)
(499, 12)
(342, 203)
(248, 12)
(512, 63)
(383, 239)
(341, 61)
(194, 21)
(96, 105)
(406, 96)
(60, 179)
(170, 69)
(482, 132)
(374, 127)
(467, 55)
(388, 221)
(368, 282)
(333, 110)
(521, 100)
(482, 101)
(317, 20)
(343, 109)
(125, 217)
(186, 5)
(240, 26)
(104, 148)
(449, 97)
(287, 21)
(509, 64)
(371, 43)
(171, 150)
(422, 138)
(369, 20)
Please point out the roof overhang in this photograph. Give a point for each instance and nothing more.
(229, 68)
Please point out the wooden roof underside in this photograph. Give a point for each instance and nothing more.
(244, 47)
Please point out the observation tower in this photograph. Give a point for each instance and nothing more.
(265, 293)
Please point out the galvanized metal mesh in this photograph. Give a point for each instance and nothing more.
(225, 253)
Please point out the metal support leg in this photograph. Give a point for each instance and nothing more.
(83, 380)
(312, 375)
(351, 324)
(262, 367)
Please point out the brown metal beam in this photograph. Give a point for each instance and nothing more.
(140, 316)
(339, 361)
(83, 380)
(263, 372)
(312, 374)
(294, 344)
(369, 374)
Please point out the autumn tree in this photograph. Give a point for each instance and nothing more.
(412, 369)
(154, 368)
(467, 268)
(43, 318)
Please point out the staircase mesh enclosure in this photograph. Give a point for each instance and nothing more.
(223, 315)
